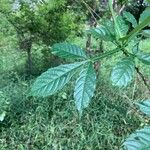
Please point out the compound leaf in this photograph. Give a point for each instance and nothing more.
(54, 79)
(145, 107)
(65, 50)
(140, 140)
(85, 87)
(123, 72)
(130, 18)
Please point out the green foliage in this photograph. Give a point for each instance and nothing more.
(65, 50)
(136, 30)
(122, 27)
(85, 87)
(144, 15)
(49, 119)
(140, 140)
(53, 121)
(123, 72)
(102, 33)
(54, 79)
(144, 57)
(130, 18)
(144, 106)
(146, 33)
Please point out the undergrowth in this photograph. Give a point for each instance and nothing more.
(53, 122)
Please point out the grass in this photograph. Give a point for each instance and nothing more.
(53, 123)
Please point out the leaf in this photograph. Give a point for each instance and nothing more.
(101, 33)
(54, 79)
(85, 87)
(144, 57)
(144, 15)
(109, 25)
(136, 30)
(145, 107)
(122, 27)
(135, 49)
(65, 50)
(123, 72)
(130, 18)
(146, 33)
(140, 140)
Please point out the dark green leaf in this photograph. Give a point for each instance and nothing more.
(66, 50)
(140, 140)
(123, 72)
(54, 79)
(85, 87)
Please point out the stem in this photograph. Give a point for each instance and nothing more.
(138, 71)
(106, 54)
(136, 30)
(90, 9)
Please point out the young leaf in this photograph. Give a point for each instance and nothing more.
(123, 72)
(65, 50)
(145, 107)
(140, 140)
(85, 87)
(130, 18)
(54, 79)
(144, 57)
(101, 33)
(144, 15)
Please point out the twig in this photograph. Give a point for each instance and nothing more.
(139, 73)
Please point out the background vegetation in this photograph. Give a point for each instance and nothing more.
(27, 31)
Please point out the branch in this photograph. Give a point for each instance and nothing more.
(138, 72)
